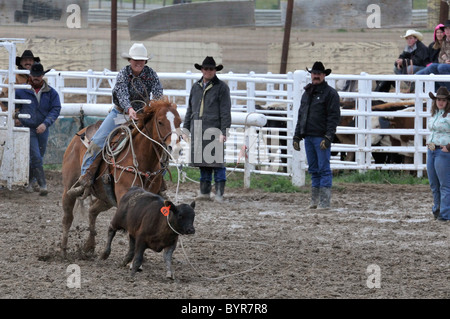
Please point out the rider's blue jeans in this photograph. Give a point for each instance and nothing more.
(99, 139)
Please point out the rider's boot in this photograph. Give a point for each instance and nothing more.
(84, 183)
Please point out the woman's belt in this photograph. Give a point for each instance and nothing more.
(433, 146)
(118, 108)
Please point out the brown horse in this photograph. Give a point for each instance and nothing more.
(139, 164)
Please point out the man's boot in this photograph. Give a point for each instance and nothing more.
(314, 197)
(324, 197)
(40, 176)
(205, 190)
(29, 188)
(220, 189)
(84, 183)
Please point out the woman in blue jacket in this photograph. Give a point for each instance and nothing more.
(44, 109)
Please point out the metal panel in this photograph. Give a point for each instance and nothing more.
(17, 171)
(191, 16)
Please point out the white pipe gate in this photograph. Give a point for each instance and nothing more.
(249, 90)
(14, 141)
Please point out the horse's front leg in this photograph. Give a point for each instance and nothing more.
(97, 207)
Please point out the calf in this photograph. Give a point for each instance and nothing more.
(146, 217)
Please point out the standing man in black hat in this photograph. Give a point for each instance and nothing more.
(208, 117)
(318, 117)
(44, 109)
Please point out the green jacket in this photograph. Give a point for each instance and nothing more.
(208, 108)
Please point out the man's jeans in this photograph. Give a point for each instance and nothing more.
(38, 145)
(219, 174)
(318, 162)
(438, 170)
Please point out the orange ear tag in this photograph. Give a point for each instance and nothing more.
(165, 210)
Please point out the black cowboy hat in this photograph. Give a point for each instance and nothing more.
(37, 69)
(447, 24)
(319, 68)
(209, 62)
(442, 93)
(27, 54)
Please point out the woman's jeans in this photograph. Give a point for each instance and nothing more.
(99, 139)
(438, 170)
(318, 162)
(437, 68)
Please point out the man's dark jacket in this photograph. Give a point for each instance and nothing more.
(216, 113)
(44, 111)
(319, 112)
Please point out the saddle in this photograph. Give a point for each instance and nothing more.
(114, 141)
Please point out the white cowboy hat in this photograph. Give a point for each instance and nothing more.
(136, 52)
(413, 33)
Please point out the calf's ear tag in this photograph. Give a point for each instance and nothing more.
(165, 210)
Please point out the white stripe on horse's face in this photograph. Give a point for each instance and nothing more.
(171, 118)
(174, 136)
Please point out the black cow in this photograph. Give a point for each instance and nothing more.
(146, 218)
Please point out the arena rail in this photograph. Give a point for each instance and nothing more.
(253, 93)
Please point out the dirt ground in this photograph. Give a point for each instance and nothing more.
(262, 245)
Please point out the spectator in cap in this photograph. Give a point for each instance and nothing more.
(443, 64)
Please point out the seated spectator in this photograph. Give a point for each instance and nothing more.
(435, 47)
(414, 58)
(443, 64)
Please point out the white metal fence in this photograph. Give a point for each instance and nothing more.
(249, 90)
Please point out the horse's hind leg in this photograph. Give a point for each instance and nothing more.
(97, 207)
(68, 202)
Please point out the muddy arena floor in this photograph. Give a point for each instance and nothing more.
(379, 241)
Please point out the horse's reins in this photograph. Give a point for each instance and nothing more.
(134, 169)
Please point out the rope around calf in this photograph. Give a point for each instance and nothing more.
(176, 201)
